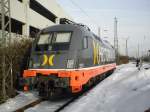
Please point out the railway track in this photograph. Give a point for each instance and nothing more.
(41, 105)
(32, 104)
(46, 106)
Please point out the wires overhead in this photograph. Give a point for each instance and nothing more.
(84, 12)
(94, 24)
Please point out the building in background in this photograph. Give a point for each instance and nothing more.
(29, 16)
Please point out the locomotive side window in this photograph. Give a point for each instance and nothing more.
(85, 42)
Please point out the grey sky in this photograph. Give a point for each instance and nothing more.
(133, 20)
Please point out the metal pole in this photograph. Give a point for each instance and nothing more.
(138, 50)
(144, 49)
(127, 46)
(99, 31)
(4, 46)
(6, 30)
(116, 40)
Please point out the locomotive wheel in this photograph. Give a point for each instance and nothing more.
(88, 84)
(54, 94)
(42, 90)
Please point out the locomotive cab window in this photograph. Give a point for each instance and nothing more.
(43, 42)
(62, 37)
(54, 41)
(45, 39)
(85, 42)
(61, 41)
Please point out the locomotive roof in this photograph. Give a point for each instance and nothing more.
(64, 27)
(72, 27)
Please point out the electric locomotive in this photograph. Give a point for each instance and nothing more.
(67, 57)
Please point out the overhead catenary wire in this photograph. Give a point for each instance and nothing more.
(88, 16)
(84, 12)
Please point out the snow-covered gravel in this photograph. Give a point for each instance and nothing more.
(20, 100)
(126, 90)
(47, 106)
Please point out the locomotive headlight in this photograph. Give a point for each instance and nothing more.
(70, 63)
(36, 65)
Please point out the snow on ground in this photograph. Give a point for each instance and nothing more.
(19, 101)
(47, 106)
(126, 90)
